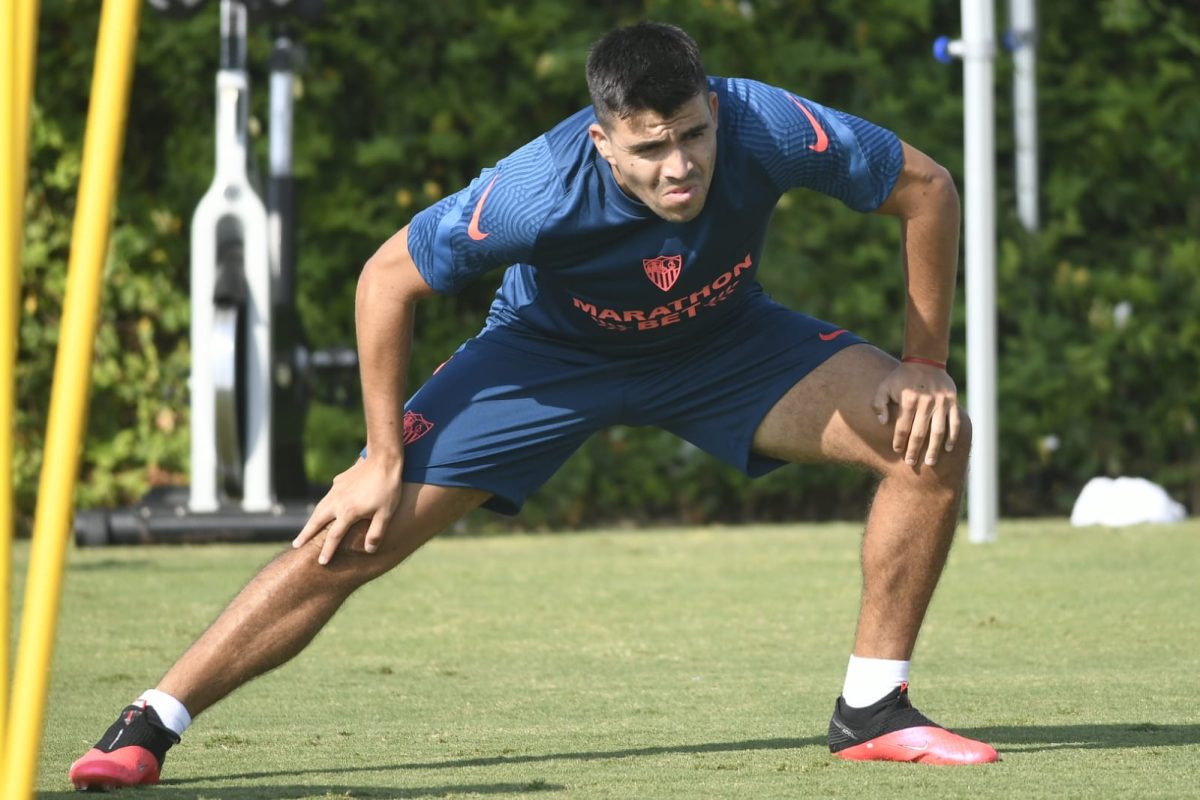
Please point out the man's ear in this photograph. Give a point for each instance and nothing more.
(712, 107)
(601, 141)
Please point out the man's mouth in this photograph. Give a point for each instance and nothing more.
(681, 194)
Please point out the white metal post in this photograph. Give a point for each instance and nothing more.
(230, 198)
(231, 208)
(978, 49)
(1022, 24)
(282, 83)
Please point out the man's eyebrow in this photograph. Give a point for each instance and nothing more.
(646, 147)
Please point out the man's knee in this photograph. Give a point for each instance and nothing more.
(351, 565)
(425, 511)
(952, 464)
(951, 467)
(962, 447)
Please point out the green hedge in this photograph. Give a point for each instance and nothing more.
(404, 102)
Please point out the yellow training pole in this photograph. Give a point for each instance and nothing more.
(8, 332)
(18, 41)
(68, 398)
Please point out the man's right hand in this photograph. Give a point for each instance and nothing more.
(369, 490)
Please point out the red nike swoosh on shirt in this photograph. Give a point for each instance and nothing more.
(473, 229)
(829, 337)
(822, 140)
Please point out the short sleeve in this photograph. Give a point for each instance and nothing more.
(801, 143)
(491, 223)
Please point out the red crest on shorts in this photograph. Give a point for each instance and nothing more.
(415, 426)
(663, 271)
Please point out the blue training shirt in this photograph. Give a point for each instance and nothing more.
(588, 264)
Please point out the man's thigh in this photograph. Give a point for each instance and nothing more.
(716, 393)
(503, 414)
(827, 415)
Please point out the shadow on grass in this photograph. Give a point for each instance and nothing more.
(113, 563)
(1006, 739)
(1117, 736)
(504, 760)
(273, 792)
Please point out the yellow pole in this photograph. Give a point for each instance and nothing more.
(8, 333)
(68, 398)
(18, 41)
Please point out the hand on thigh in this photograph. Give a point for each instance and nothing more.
(828, 414)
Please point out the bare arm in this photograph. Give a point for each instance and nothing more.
(384, 306)
(926, 202)
(388, 290)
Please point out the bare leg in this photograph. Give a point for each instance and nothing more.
(283, 607)
(828, 417)
(909, 532)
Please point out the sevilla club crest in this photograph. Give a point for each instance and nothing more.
(663, 271)
(415, 426)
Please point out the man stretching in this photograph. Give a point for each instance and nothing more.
(632, 234)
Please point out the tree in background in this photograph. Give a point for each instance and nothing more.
(405, 102)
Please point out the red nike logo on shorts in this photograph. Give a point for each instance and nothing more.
(829, 337)
(822, 140)
(473, 229)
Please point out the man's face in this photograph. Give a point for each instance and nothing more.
(666, 162)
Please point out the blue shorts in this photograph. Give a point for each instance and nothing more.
(507, 409)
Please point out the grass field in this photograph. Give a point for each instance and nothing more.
(686, 663)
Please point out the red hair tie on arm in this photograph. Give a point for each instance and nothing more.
(929, 362)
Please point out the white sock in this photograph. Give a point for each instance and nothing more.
(871, 679)
(169, 710)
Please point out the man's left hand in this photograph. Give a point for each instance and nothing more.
(927, 417)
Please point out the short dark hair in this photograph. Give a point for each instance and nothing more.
(650, 66)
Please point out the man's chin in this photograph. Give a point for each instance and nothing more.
(685, 213)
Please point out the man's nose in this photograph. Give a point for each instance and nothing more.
(677, 165)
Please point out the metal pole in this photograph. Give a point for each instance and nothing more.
(234, 20)
(103, 141)
(18, 43)
(281, 189)
(231, 212)
(979, 134)
(1023, 40)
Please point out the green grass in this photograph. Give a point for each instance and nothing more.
(695, 663)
